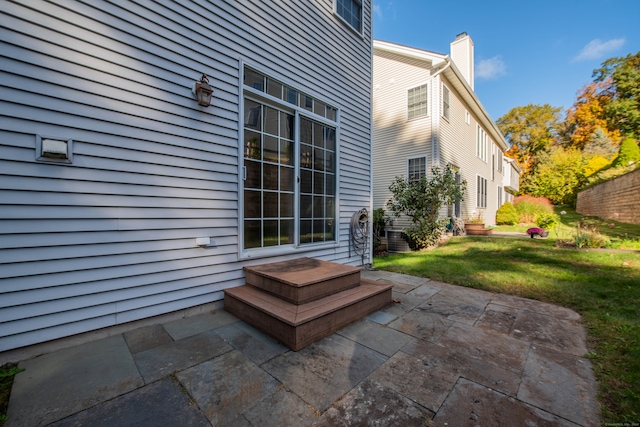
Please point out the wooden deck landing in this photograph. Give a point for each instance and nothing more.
(302, 301)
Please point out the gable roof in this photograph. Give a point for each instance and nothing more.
(443, 64)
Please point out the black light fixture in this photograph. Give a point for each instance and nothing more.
(202, 91)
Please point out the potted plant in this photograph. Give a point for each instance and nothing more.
(474, 222)
(537, 231)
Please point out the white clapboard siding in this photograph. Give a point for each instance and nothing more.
(110, 238)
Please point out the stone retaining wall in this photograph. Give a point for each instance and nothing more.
(617, 199)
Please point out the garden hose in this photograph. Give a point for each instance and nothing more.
(359, 230)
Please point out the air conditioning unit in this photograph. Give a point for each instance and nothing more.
(396, 243)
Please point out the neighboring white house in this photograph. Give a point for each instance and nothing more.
(122, 198)
(426, 114)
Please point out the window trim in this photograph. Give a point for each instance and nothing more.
(415, 158)
(358, 31)
(407, 105)
(298, 111)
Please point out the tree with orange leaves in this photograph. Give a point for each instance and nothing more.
(586, 118)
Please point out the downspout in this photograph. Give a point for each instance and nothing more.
(436, 117)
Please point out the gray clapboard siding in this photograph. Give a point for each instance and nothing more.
(39, 306)
(81, 296)
(125, 275)
(22, 254)
(110, 238)
(18, 241)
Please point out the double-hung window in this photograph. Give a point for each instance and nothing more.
(481, 143)
(445, 102)
(417, 102)
(416, 168)
(481, 192)
(351, 12)
(289, 166)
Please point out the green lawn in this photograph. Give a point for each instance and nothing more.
(603, 286)
(623, 236)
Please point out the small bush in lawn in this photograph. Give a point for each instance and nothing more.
(529, 207)
(547, 221)
(590, 239)
(507, 215)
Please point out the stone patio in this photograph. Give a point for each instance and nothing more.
(441, 355)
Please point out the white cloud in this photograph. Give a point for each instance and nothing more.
(597, 49)
(491, 68)
(377, 11)
(387, 9)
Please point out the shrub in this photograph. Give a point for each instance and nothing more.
(507, 215)
(421, 200)
(380, 221)
(529, 207)
(547, 221)
(590, 239)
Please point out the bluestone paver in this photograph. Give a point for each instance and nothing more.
(255, 345)
(564, 335)
(194, 325)
(326, 370)
(282, 408)
(411, 378)
(471, 405)
(370, 334)
(163, 360)
(227, 386)
(56, 385)
(422, 325)
(373, 404)
(562, 384)
(162, 403)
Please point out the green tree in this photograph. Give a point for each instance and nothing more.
(421, 200)
(530, 130)
(629, 153)
(623, 109)
(559, 174)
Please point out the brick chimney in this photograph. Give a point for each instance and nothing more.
(462, 56)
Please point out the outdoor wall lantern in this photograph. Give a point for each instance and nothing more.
(202, 91)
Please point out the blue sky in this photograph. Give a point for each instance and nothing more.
(526, 52)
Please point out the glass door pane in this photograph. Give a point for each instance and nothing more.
(317, 182)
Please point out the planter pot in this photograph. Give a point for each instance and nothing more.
(473, 226)
(544, 234)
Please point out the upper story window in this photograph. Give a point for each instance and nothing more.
(481, 143)
(467, 117)
(445, 102)
(351, 12)
(416, 168)
(417, 102)
(500, 160)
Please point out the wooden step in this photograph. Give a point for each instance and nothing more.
(298, 325)
(302, 280)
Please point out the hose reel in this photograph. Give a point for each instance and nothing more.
(359, 231)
